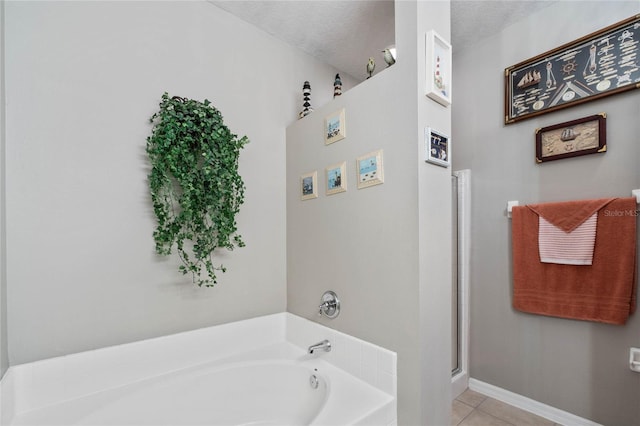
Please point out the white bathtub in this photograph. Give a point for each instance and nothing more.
(253, 372)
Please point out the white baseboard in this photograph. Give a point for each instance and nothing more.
(528, 404)
(459, 383)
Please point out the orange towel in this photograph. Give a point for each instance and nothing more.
(604, 291)
(569, 214)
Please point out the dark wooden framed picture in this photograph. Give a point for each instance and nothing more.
(583, 136)
(600, 64)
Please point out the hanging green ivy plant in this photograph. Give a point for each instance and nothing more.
(195, 186)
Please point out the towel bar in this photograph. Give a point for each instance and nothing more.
(511, 204)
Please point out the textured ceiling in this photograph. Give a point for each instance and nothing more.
(344, 33)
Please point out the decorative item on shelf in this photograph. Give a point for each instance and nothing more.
(335, 127)
(437, 147)
(371, 65)
(337, 86)
(306, 97)
(388, 57)
(578, 137)
(370, 169)
(195, 187)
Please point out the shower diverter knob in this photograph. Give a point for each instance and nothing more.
(330, 305)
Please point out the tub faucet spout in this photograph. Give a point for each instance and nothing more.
(324, 345)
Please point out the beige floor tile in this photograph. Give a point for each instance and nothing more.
(480, 418)
(459, 411)
(512, 414)
(471, 398)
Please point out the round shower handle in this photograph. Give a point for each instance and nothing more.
(330, 305)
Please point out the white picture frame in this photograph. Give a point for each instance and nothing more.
(336, 178)
(309, 186)
(437, 147)
(335, 127)
(369, 169)
(438, 68)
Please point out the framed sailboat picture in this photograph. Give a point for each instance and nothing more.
(583, 136)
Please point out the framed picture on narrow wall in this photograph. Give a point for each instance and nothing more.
(438, 68)
(437, 147)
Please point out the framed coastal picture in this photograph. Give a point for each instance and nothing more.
(336, 178)
(438, 68)
(309, 186)
(370, 169)
(583, 136)
(437, 147)
(334, 127)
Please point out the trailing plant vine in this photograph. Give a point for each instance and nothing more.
(195, 186)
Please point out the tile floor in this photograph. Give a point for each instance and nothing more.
(475, 409)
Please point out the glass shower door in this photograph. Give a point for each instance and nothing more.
(460, 265)
(455, 320)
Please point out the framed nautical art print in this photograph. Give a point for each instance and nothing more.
(600, 64)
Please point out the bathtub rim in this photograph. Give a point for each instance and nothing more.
(30, 386)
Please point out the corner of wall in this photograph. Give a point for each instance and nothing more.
(363, 240)
(435, 230)
(4, 353)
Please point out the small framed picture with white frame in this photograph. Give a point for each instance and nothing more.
(309, 186)
(438, 68)
(335, 128)
(336, 178)
(370, 169)
(437, 147)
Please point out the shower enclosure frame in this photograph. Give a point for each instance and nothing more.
(460, 375)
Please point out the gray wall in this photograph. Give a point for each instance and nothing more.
(385, 250)
(580, 367)
(82, 80)
(4, 355)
